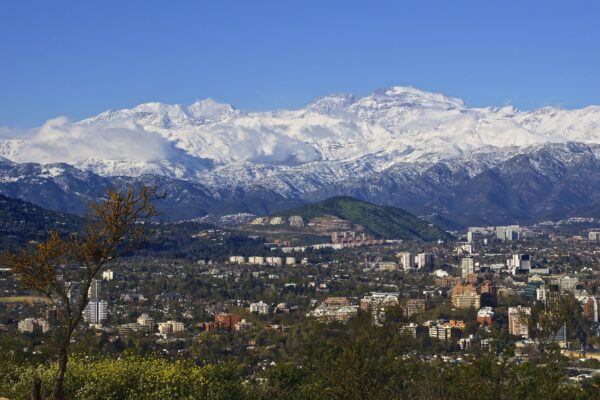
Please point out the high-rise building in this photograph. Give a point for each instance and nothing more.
(95, 290)
(508, 233)
(407, 260)
(425, 260)
(518, 321)
(96, 312)
(519, 262)
(590, 308)
(470, 236)
(467, 266)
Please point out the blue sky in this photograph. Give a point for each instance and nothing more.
(77, 59)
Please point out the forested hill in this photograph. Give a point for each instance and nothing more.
(381, 221)
(21, 222)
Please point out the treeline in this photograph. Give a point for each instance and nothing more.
(353, 362)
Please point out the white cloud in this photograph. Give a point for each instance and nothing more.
(60, 140)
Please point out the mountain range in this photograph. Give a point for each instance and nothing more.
(424, 152)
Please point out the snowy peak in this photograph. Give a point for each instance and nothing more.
(395, 125)
(211, 111)
(331, 105)
(401, 96)
(169, 116)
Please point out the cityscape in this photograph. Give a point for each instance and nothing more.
(338, 200)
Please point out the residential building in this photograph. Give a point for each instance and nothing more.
(52, 316)
(96, 312)
(567, 284)
(377, 302)
(147, 321)
(508, 233)
(31, 325)
(407, 260)
(518, 321)
(296, 221)
(108, 275)
(409, 329)
(290, 261)
(425, 260)
(125, 329)
(467, 266)
(414, 307)
(243, 325)
(95, 290)
(387, 266)
(260, 308)
(169, 327)
(334, 309)
(227, 321)
(485, 316)
(256, 260)
(465, 296)
(519, 263)
(590, 308)
(278, 261)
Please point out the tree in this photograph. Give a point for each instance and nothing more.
(115, 226)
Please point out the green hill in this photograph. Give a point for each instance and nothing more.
(380, 221)
(21, 222)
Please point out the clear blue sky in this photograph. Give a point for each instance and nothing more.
(76, 58)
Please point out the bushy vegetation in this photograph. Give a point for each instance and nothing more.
(129, 378)
(350, 362)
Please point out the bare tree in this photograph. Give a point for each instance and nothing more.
(116, 225)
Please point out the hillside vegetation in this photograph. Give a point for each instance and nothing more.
(380, 221)
(21, 222)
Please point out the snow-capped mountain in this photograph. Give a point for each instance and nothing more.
(396, 139)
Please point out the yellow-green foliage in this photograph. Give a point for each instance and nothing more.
(130, 378)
